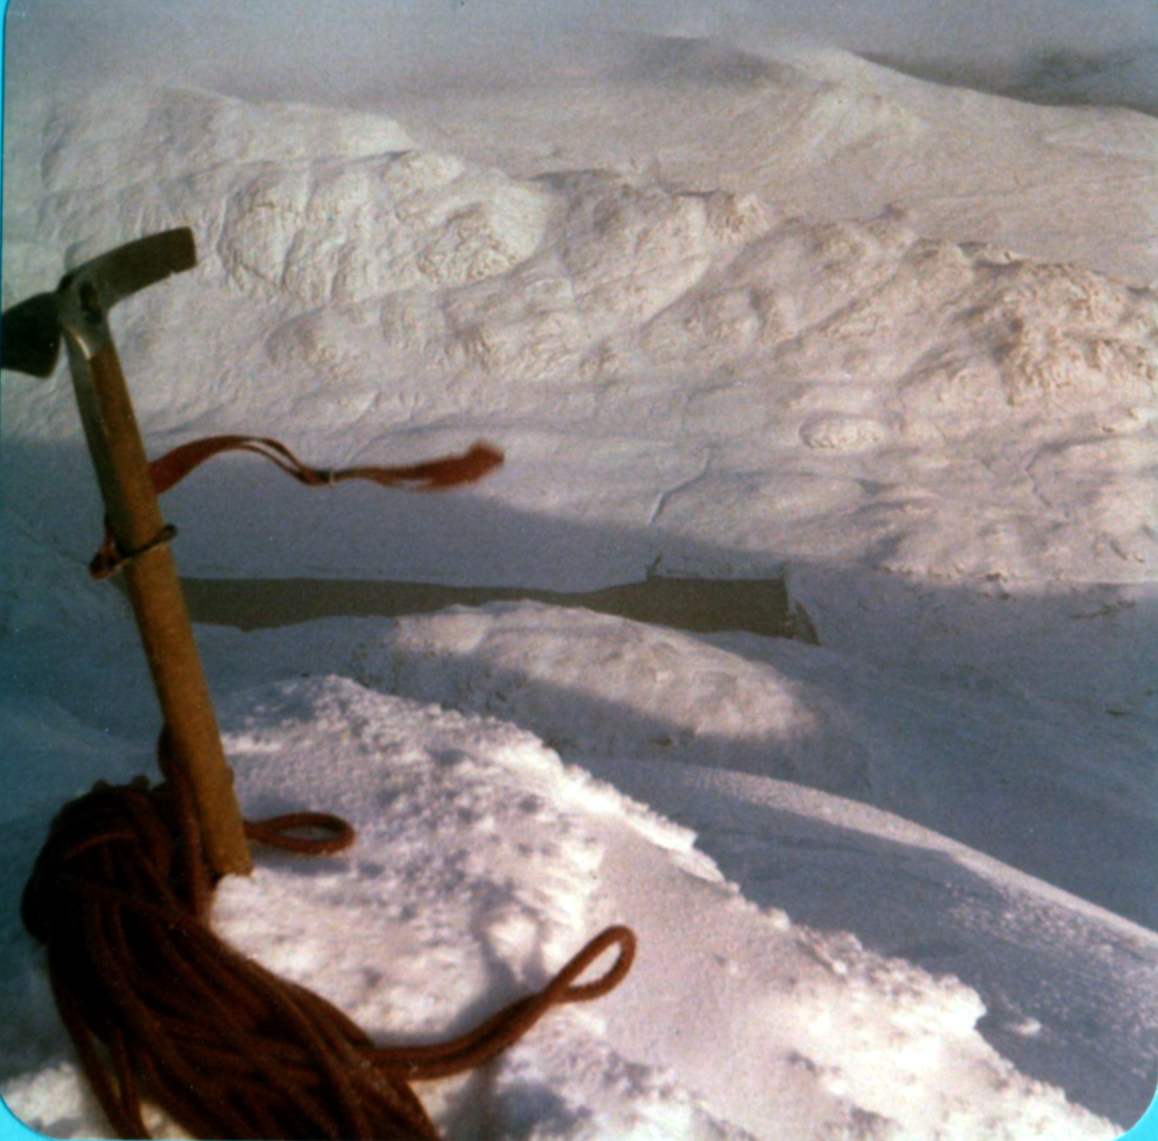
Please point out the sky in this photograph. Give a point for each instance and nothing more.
(1101, 49)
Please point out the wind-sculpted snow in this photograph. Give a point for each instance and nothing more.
(178, 132)
(341, 233)
(846, 390)
(482, 861)
(593, 685)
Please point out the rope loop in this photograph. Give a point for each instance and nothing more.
(277, 832)
(561, 991)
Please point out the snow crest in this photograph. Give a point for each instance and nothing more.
(820, 390)
(483, 862)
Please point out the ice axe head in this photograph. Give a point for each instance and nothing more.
(31, 332)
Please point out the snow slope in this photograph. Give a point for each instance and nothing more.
(867, 394)
(943, 944)
(729, 316)
(482, 862)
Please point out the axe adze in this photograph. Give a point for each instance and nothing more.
(30, 337)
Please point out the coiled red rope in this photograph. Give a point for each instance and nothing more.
(159, 1007)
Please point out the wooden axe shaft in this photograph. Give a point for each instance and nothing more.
(138, 528)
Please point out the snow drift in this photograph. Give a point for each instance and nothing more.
(481, 860)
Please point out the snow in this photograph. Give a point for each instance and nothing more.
(472, 825)
(774, 313)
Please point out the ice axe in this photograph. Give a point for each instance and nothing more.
(30, 337)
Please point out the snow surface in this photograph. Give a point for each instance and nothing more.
(730, 315)
(482, 861)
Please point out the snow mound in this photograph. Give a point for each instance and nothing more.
(323, 205)
(339, 232)
(735, 383)
(595, 684)
(597, 688)
(178, 131)
(826, 132)
(483, 862)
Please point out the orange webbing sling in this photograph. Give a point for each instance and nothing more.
(174, 466)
